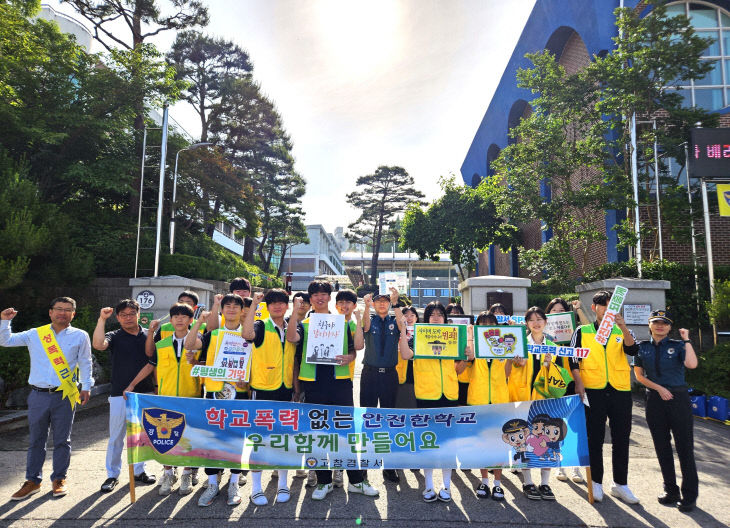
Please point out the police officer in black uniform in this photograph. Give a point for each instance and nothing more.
(659, 366)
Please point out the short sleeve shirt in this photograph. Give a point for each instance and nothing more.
(127, 356)
(670, 371)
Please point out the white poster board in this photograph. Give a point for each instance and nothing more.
(637, 314)
(233, 357)
(560, 327)
(393, 279)
(325, 338)
(459, 319)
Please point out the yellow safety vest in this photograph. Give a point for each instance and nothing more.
(520, 379)
(465, 376)
(173, 376)
(308, 371)
(433, 378)
(604, 364)
(212, 385)
(488, 382)
(272, 364)
(402, 369)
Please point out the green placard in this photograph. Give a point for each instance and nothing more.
(560, 327)
(439, 341)
(500, 342)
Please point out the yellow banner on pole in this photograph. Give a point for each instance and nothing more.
(723, 198)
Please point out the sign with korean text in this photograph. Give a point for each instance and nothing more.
(609, 317)
(559, 351)
(325, 338)
(439, 341)
(560, 327)
(393, 279)
(723, 199)
(637, 314)
(710, 153)
(500, 342)
(259, 434)
(231, 362)
(510, 319)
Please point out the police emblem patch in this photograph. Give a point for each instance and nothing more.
(670, 351)
(164, 428)
(391, 326)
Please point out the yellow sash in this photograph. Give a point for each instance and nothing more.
(60, 365)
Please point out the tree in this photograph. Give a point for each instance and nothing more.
(460, 222)
(575, 142)
(208, 65)
(380, 197)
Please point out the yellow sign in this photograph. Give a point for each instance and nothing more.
(723, 198)
(60, 365)
(262, 312)
(436, 341)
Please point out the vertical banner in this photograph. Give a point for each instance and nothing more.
(257, 434)
(723, 198)
(609, 318)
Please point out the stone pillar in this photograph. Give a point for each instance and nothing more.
(162, 292)
(476, 290)
(644, 296)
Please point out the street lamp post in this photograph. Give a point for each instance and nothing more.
(174, 193)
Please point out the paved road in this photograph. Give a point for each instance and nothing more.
(399, 505)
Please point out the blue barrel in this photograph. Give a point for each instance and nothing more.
(699, 405)
(717, 408)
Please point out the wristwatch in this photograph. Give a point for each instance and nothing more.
(686, 340)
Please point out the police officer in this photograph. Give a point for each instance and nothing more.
(659, 366)
(379, 381)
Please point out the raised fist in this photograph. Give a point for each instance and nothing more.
(257, 298)
(154, 325)
(8, 313)
(106, 313)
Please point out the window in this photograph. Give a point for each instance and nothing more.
(429, 292)
(414, 292)
(713, 91)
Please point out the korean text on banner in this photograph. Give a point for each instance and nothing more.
(257, 434)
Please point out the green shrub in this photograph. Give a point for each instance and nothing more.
(712, 375)
(719, 309)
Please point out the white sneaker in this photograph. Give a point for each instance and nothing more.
(166, 483)
(186, 484)
(283, 495)
(624, 493)
(195, 479)
(300, 473)
(561, 476)
(259, 499)
(208, 496)
(322, 491)
(337, 479)
(363, 487)
(576, 477)
(597, 492)
(311, 479)
(234, 498)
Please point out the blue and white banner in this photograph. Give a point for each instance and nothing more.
(258, 434)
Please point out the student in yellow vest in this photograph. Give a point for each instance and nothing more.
(406, 397)
(232, 309)
(239, 286)
(436, 385)
(325, 384)
(555, 306)
(488, 385)
(167, 329)
(46, 404)
(607, 378)
(168, 359)
(272, 369)
(521, 383)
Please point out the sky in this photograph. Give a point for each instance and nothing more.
(361, 84)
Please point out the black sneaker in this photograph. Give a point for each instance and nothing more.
(498, 493)
(668, 498)
(109, 485)
(482, 491)
(391, 475)
(686, 505)
(531, 492)
(546, 493)
(144, 478)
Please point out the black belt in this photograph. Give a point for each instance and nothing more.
(381, 370)
(44, 389)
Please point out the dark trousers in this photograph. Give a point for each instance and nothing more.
(378, 388)
(463, 393)
(48, 410)
(332, 392)
(673, 416)
(214, 471)
(608, 403)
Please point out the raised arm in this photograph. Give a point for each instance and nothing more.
(213, 322)
(291, 330)
(7, 338)
(247, 330)
(366, 314)
(99, 340)
(358, 338)
(149, 344)
(690, 357)
(192, 340)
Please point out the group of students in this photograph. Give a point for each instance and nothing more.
(161, 360)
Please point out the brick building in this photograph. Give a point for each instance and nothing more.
(574, 31)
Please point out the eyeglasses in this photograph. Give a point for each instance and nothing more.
(64, 310)
(126, 314)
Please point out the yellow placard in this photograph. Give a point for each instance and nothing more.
(723, 198)
(60, 365)
(262, 312)
(436, 341)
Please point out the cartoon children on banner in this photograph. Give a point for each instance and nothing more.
(536, 441)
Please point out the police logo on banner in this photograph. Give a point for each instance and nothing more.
(164, 428)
